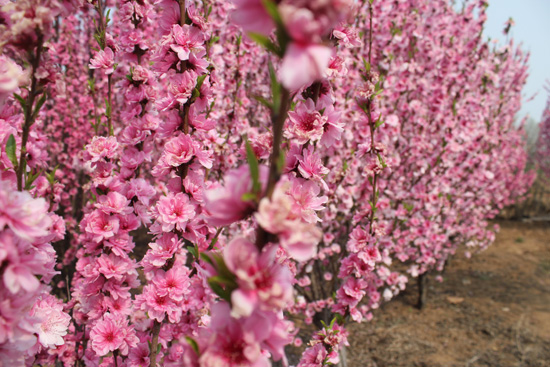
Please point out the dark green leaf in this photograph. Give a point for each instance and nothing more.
(206, 258)
(345, 166)
(38, 106)
(107, 108)
(265, 42)
(222, 269)
(22, 102)
(193, 344)
(219, 290)
(281, 162)
(272, 9)
(200, 81)
(10, 150)
(254, 168)
(193, 251)
(249, 196)
(264, 101)
(381, 161)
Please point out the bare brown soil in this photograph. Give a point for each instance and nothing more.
(492, 310)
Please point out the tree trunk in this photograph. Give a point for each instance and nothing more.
(343, 357)
(422, 290)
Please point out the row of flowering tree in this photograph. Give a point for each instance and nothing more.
(180, 179)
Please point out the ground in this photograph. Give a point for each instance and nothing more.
(492, 310)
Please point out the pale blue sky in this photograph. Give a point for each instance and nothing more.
(532, 29)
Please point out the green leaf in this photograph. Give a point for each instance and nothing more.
(206, 258)
(38, 106)
(282, 35)
(193, 251)
(384, 165)
(213, 40)
(10, 150)
(91, 84)
(254, 168)
(215, 239)
(22, 102)
(264, 101)
(379, 122)
(193, 344)
(200, 81)
(222, 269)
(264, 41)
(281, 161)
(30, 179)
(367, 65)
(230, 283)
(272, 9)
(218, 289)
(249, 196)
(454, 107)
(51, 176)
(107, 108)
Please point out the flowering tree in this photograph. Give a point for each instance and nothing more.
(181, 179)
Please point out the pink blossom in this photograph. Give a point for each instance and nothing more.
(112, 333)
(225, 204)
(162, 249)
(301, 240)
(306, 123)
(333, 129)
(157, 306)
(348, 36)
(276, 215)
(104, 59)
(115, 267)
(24, 215)
(173, 283)
(304, 64)
(139, 356)
(181, 87)
(175, 211)
(20, 277)
(53, 322)
(102, 147)
(180, 150)
(252, 16)
(106, 336)
(263, 283)
(234, 344)
(187, 39)
(114, 203)
(314, 356)
(311, 167)
(11, 77)
(305, 199)
(101, 226)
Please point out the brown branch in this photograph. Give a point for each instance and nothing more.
(29, 114)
